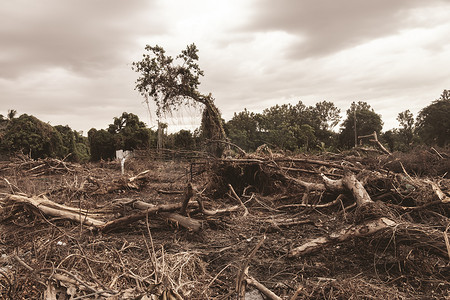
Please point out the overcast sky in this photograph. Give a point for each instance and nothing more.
(68, 62)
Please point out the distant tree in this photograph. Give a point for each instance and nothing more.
(11, 114)
(101, 144)
(129, 132)
(406, 130)
(126, 132)
(31, 136)
(75, 146)
(367, 121)
(279, 126)
(183, 139)
(242, 130)
(327, 114)
(433, 121)
(173, 82)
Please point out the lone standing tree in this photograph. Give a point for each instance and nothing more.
(174, 82)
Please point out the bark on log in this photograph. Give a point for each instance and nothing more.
(355, 186)
(67, 213)
(367, 228)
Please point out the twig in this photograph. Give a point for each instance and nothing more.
(9, 283)
(447, 243)
(22, 263)
(239, 199)
(240, 289)
(153, 254)
(432, 148)
(268, 293)
(297, 292)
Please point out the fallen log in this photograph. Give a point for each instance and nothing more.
(61, 211)
(365, 229)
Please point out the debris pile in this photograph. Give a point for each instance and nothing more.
(268, 226)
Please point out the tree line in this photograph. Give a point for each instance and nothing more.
(300, 128)
(294, 128)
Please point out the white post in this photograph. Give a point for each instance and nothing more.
(122, 165)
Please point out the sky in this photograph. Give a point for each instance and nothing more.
(68, 62)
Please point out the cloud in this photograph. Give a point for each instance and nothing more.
(81, 36)
(323, 27)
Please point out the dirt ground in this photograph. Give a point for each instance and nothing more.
(256, 217)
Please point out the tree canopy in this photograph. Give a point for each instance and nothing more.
(433, 121)
(367, 122)
(31, 136)
(172, 82)
(126, 132)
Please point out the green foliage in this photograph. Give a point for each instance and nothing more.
(184, 139)
(29, 135)
(129, 132)
(290, 127)
(406, 130)
(101, 144)
(126, 132)
(242, 130)
(367, 121)
(173, 82)
(167, 81)
(75, 146)
(433, 121)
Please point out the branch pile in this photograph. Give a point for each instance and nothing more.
(282, 227)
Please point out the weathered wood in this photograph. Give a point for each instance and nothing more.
(262, 288)
(355, 186)
(61, 212)
(376, 141)
(367, 228)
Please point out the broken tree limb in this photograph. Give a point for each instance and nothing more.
(376, 141)
(187, 196)
(263, 289)
(240, 286)
(209, 212)
(186, 222)
(147, 209)
(239, 199)
(367, 228)
(333, 185)
(439, 193)
(68, 213)
(355, 186)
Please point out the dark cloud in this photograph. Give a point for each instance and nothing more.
(81, 36)
(323, 26)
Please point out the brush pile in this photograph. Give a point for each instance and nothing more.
(261, 227)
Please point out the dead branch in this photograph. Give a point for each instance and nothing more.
(268, 293)
(439, 193)
(376, 141)
(61, 212)
(146, 209)
(240, 288)
(187, 196)
(367, 228)
(357, 189)
(239, 199)
(123, 183)
(209, 212)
